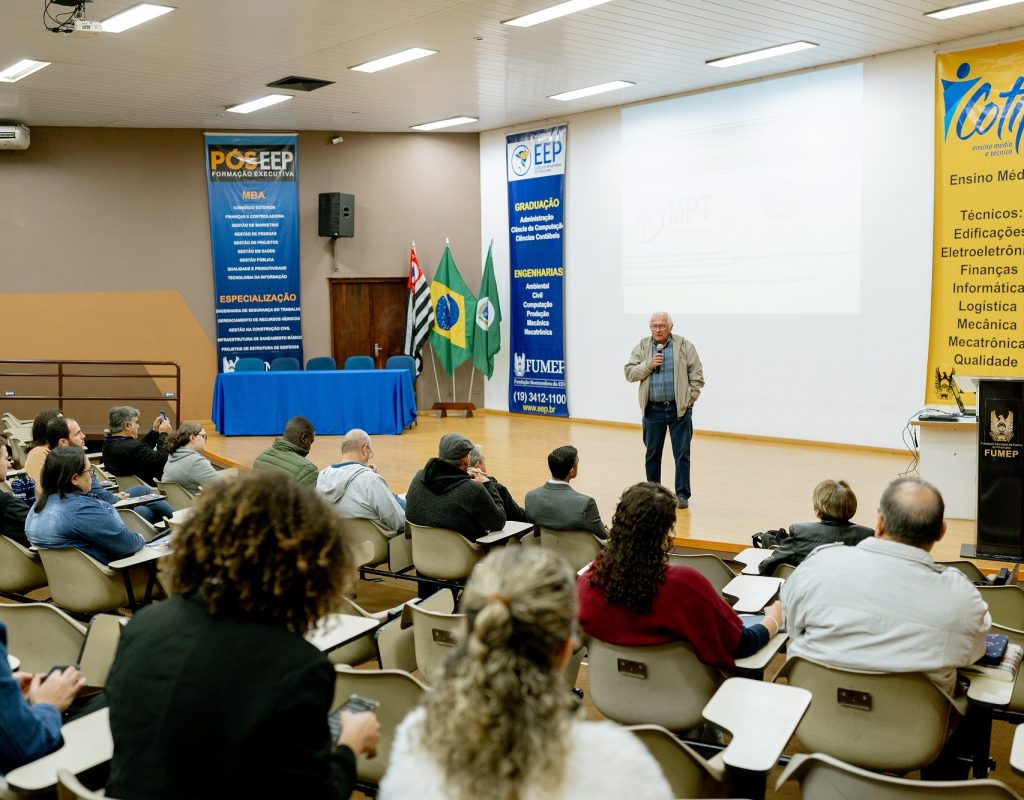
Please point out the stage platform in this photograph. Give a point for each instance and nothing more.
(740, 485)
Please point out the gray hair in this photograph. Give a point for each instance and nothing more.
(476, 455)
(121, 416)
(665, 314)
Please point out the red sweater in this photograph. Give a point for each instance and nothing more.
(686, 607)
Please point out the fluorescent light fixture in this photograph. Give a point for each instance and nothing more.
(256, 105)
(554, 12)
(133, 16)
(970, 8)
(757, 55)
(443, 123)
(393, 60)
(22, 69)
(575, 94)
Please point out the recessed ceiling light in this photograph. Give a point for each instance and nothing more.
(554, 12)
(443, 123)
(970, 8)
(22, 69)
(256, 105)
(757, 55)
(393, 60)
(611, 86)
(133, 16)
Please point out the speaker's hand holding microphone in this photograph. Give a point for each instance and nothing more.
(658, 359)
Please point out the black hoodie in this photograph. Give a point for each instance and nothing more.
(444, 496)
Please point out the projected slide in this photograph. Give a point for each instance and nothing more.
(746, 200)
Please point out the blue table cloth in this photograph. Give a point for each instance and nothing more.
(260, 403)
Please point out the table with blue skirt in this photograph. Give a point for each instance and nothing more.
(380, 401)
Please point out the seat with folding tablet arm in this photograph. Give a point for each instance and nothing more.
(135, 523)
(435, 635)
(579, 548)
(41, 636)
(21, 569)
(708, 565)
(892, 722)
(443, 554)
(688, 773)
(388, 547)
(82, 585)
(396, 642)
(70, 788)
(177, 496)
(823, 777)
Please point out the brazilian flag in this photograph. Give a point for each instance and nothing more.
(454, 314)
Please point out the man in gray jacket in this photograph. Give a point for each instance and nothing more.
(670, 375)
(558, 506)
(356, 489)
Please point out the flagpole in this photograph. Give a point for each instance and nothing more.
(472, 375)
(437, 386)
(447, 244)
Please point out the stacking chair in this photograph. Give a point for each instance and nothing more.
(663, 685)
(393, 549)
(11, 421)
(359, 362)
(98, 649)
(822, 777)
(177, 496)
(321, 363)
(21, 570)
(250, 365)
(82, 585)
(443, 554)
(689, 774)
(396, 643)
(435, 635)
(41, 636)
(17, 450)
(285, 364)
(710, 566)
(578, 547)
(891, 722)
(398, 693)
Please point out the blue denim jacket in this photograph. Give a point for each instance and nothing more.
(83, 522)
(27, 732)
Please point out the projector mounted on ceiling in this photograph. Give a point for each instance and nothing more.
(70, 21)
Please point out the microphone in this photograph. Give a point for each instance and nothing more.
(658, 351)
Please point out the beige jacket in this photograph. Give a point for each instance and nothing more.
(688, 372)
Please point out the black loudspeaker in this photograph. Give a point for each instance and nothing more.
(337, 215)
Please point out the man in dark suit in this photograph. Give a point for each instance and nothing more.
(558, 506)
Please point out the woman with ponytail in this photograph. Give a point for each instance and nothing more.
(630, 596)
(501, 725)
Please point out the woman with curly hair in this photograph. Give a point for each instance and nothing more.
(215, 693)
(630, 596)
(500, 726)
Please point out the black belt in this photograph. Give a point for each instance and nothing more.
(661, 402)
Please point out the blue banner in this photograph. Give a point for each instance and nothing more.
(254, 230)
(535, 164)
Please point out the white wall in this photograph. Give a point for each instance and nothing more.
(853, 379)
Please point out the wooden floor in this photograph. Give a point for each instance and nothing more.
(740, 485)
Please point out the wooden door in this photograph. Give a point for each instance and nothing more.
(368, 318)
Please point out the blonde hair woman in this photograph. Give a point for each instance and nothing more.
(501, 726)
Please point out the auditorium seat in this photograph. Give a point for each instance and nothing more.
(41, 636)
(359, 362)
(579, 548)
(70, 788)
(388, 548)
(435, 635)
(688, 773)
(99, 648)
(250, 365)
(21, 571)
(968, 568)
(82, 585)
(443, 554)
(396, 645)
(177, 496)
(285, 364)
(321, 363)
(710, 566)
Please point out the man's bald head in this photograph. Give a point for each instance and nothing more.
(356, 446)
(911, 512)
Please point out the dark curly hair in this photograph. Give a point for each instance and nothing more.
(632, 568)
(262, 549)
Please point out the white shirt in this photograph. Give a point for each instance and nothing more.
(884, 606)
(604, 762)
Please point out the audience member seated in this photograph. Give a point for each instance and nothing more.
(64, 432)
(30, 710)
(288, 452)
(834, 506)
(38, 448)
(884, 604)
(500, 724)
(630, 596)
(446, 494)
(513, 511)
(356, 490)
(125, 454)
(12, 511)
(186, 463)
(66, 516)
(214, 692)
(556, 505)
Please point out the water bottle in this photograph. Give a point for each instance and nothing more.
(24, 488)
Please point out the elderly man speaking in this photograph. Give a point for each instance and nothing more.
(671, 376)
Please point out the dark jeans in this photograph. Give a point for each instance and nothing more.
(151, 512)
(657, 418)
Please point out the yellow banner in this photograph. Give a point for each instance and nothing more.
(977, 284)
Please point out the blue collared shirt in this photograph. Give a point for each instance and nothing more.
(662, 389)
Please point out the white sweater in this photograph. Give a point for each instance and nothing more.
(604, 762)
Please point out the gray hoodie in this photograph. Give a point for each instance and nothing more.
(188, 468)
(358, 492)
